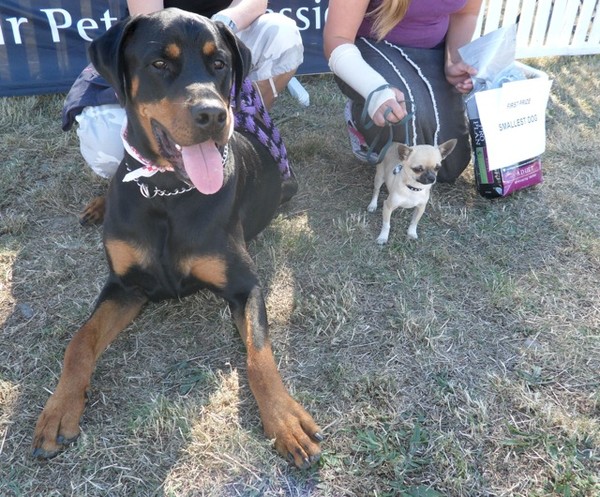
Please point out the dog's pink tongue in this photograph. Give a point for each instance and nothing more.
(203, 165)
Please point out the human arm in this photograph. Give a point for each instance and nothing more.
(241, 12)
(343, 20)
(244, 12)
(460, 32)
(144, 6)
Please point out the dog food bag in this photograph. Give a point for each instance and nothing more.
(494, 183)
(498, 170)
(504, 181)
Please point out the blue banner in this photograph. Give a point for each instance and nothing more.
(310, 18)
(43, 47)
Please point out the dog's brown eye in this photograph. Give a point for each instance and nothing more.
(159, 64)
(218, 64)
(438, 167)
(418, 169)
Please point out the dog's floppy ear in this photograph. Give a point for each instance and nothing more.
(447, 147)
(106, 55)
(403, 151)
(242, 58)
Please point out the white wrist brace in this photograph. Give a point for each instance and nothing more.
(347, 63)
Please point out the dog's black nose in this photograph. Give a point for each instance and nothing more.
(427, 178)
(207, 117)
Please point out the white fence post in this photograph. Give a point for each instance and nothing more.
(546, 27)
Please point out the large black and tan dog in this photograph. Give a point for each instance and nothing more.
(173, 72)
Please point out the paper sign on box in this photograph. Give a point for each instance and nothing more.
(513, 119)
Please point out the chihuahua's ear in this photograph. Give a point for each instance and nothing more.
(446, 148)
(403, 151)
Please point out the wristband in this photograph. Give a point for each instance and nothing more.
(347, 63)
(228, 21)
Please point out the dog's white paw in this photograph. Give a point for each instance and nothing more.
(412, 234)
(382, 240)
(372, 207)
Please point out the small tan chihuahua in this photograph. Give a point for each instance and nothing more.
(408, 173)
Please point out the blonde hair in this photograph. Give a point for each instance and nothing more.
(387, 15)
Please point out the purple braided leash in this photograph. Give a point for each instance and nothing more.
(251, 107)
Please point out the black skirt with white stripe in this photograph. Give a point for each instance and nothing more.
(439, 111)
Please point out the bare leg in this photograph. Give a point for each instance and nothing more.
(266, 90)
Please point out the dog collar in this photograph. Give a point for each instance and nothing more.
(145, 189)
(149, 170)
(396, 170)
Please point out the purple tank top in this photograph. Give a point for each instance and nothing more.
(424, 25)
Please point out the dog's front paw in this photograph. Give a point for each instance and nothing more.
(412, 233)
(384, 234)
(57, 427)
(297, 436)
(93, 212)
(372, 207)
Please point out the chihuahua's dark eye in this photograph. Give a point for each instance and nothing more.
(438, 167)
(218, 64)
(418, 169)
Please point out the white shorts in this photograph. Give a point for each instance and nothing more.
(275, 44)
(276, 47)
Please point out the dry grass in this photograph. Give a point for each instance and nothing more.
(464, 364)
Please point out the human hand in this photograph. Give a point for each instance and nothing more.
(459, 75)
(398, 110)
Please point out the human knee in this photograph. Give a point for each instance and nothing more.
(286, 31)
(276, 46)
